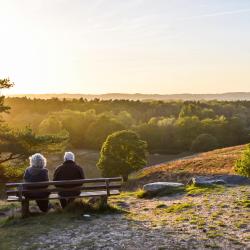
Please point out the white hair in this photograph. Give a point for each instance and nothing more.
(69, 156)
(38, 161)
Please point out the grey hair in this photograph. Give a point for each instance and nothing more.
(38, 161)
(69, 156)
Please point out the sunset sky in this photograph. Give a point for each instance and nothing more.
(129, 46)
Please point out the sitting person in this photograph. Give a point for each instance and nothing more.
(69, 170)
(37, 172)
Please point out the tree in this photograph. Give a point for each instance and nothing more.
(4, 84)
(50, 125)
(20, 144)
(242, 165)
(203, 143)
(98, 131)
(122, 153)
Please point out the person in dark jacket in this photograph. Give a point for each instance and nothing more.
(69, 170)
(37, 172)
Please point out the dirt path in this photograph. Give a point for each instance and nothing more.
(211, 220)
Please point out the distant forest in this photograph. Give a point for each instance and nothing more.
(167, 126)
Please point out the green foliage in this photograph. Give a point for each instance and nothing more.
(204, 142)
(76, 124)
(122, 153)
(20, 144)
(4, 84)
(167, 127)
(11, 172)
(242, 165)
(99, 130)
(50, 125)
(179, 207)
(195, 189)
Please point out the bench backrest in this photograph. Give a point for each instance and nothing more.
(22, 188)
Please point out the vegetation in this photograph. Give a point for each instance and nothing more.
(220, 161)
(204, 142)
(168, 127)
(16, 145)
(122, 153)
(242, 165)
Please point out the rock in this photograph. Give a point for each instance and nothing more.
(220, 179)
(157, 187)
(203, 180)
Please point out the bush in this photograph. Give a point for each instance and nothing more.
(242, 165)
(203, 143)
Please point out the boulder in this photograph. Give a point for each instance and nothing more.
(157, 187)
(220, 179)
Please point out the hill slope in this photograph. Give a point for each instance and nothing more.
(220, 161)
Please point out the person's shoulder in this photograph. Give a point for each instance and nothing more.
(45, 170)
(78, 166)
(26, 172)
(58, 167)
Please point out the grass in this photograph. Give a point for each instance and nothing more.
(190, 190)
(204, 189)
(6, 206)
(245, 202)
(178, 207)
(218, 161)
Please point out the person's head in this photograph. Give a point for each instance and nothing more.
(69, 156)
(38, 161)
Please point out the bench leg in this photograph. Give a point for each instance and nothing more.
(25, 208)
(104, 202)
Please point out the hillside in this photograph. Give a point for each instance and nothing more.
(200, 218)
(220, 161)
(230, 96)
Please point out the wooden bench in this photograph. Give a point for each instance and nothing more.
(100, 187)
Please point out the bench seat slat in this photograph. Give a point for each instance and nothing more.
(90, 188)
(65, 182)
(82, 195)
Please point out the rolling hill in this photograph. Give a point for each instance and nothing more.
(220, 161)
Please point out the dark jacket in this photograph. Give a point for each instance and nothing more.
(69, 170)
(39, 175)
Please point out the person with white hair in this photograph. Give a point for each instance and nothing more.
(37, 172)
(69, 170)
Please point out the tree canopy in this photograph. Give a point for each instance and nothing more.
(122, 153)
(16, 144)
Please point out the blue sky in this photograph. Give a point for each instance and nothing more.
(147, 46)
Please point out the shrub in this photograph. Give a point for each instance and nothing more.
(203, 143)
(242, 165)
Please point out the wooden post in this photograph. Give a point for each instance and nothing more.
(25, 202)
(104, 202)
(107, 187)
(25, 208)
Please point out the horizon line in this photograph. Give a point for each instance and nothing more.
(126, 93)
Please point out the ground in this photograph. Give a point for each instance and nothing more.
(200, 218)
(195, 218)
